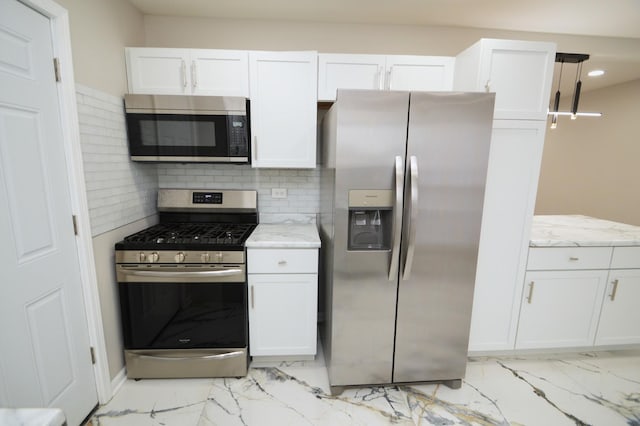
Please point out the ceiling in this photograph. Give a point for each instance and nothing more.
(596, 18)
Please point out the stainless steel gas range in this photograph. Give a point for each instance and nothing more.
(183, 288)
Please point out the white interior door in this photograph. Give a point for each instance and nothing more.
(44, 358)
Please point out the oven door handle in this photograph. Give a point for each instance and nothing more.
(183, 358)
(180, 274)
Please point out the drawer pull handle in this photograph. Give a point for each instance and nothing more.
(530, 296)
(282, 262)
(574, 259)
(614, 290)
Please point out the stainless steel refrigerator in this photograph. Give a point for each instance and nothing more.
(402, 189)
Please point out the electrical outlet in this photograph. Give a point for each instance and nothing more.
(278, 192)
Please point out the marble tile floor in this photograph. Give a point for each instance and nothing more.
(595, 388)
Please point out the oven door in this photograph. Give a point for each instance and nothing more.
(188, 137)
(184, 321)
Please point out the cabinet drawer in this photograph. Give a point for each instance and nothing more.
(625, 257)
(278, 261)
(566, 258)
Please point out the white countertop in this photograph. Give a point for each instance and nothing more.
(578, 231)
(284, 236)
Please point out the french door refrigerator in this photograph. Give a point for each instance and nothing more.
(402, 190)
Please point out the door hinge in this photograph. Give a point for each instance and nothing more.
(75, 224)
(56, 69)
(93, 355)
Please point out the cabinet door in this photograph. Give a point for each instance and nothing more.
(520, 73)
(509, 201)
(343, 71)
(157, 71)
(283, 89)
(424, 73)
(282, 314)
(560, 309)
(620, 316)
(219, 72)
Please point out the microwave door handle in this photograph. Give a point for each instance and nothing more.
(413, 216)
(397, 219)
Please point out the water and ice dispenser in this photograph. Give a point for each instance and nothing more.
(370, 219)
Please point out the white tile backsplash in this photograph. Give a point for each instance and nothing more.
(300, 206)
(119, 191)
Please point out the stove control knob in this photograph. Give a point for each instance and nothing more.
(154, 257)
(142, 256)
(179, 257)
(205, 257)
(219, 256)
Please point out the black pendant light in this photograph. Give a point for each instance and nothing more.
(572, 58)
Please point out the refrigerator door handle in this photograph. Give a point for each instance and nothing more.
(397, 220)
(413, 216)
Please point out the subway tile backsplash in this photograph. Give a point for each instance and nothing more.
(118, 191)
(301, 204)
(121, 191)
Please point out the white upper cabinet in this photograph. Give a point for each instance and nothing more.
(160, 71)
(348, 72)
(382, 72)
(519, 72)
(423, 73)
(283, 108)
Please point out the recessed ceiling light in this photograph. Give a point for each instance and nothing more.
(595, 73)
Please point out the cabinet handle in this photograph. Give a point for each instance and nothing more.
(388, 82)
(252, 297)
(380, 78)
(254, 154)
(194, 74)
(614, 290)
(282, 262)
(184, 74)
(574, 259)
(487, 86)
(530, 297)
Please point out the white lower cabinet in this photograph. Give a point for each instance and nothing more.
(283, 298)
(620, 316)
(282, 314)
(560, 308)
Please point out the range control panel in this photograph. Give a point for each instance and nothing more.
(207, 198)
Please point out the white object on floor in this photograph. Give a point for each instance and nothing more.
(32, 417)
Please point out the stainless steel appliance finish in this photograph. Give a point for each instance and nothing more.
(182, 286)
(399, 311)
(178, 128)
(185, 105)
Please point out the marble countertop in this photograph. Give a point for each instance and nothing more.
(578, 231)
(284, 236)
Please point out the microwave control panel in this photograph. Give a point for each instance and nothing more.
(238, 136)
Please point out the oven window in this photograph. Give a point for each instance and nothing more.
(182, 316)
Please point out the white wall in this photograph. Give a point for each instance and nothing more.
(100, 29)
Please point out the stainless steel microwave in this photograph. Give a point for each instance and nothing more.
(176, 128)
